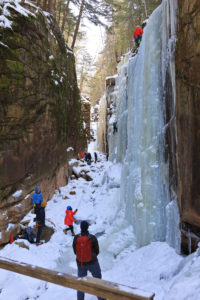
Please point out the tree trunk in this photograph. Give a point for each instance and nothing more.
(54, 8)
(59, 12)
(81, 78)
(65, 16)
(44, 5)
(145, 8)
(78, 23)
(50, 6)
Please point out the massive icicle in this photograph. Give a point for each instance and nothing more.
(140, 141)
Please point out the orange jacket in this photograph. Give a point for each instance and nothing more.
(137, 31)
(69, 219)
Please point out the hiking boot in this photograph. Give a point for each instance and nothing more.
(73, 234)
(39, 243)
(65, 231)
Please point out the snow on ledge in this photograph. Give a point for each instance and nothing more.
(10, 225)
(72, 161)
(70, 149)
(17, 194)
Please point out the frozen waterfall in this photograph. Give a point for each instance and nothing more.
(139, 143)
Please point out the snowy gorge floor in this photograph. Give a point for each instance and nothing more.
(156, 267)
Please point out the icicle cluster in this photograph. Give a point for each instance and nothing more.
(140, 141)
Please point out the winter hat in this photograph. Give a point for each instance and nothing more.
(84, 225)
(37, 188)
(69, 208)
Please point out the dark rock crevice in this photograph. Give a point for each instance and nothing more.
(188, 120)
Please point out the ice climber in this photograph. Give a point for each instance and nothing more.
(114, 127)
(86, 248)
(69, 220)
(137, 34)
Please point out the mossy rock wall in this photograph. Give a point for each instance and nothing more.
(40, 109)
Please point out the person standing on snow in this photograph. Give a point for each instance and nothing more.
(95, 157)
(40, 221)
(69, 220)
(37, 199)
(86, 248)
(89, 158)
(137, 35)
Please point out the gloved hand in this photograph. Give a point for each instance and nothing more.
(77, 209)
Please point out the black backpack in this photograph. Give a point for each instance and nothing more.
(29, 234)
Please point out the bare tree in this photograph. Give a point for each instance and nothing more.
(65, 16)
(50, 6)
(78, 23)
(145, 8)
(92, 10)
(44, 5)
(84, 61)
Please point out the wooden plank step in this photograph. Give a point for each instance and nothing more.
(94, 286)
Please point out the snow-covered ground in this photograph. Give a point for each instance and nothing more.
(155, 267)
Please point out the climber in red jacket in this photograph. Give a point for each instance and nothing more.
(137, 34)
(69, 220)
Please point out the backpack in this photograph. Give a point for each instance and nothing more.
(29, 234)
(84, 248)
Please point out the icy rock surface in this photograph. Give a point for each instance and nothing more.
(139, 143)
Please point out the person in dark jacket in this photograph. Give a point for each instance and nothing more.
(89, 158)
(86, 156)
(40, 221)
(95, 157)
(92, 265)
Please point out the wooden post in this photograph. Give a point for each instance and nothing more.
(94, 286)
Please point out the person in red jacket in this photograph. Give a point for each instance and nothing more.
(69, 219)
(137, 34)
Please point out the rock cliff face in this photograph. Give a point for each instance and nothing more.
(40, 110)
(188, 119)
(85, 105)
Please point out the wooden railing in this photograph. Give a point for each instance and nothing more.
(94, 286)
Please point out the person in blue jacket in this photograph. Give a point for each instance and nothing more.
(37, 196)
(37, 199)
